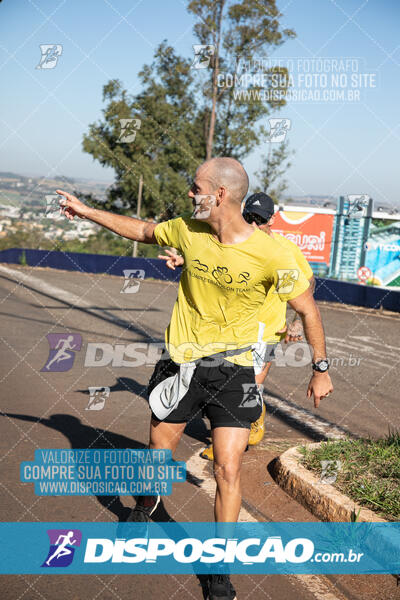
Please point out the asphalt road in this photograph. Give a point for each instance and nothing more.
(50, 410)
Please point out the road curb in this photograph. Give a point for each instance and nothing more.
(322, 499)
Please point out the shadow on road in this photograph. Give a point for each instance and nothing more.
(96, 312)
(83, 436)
(300, 425)
(124, 384)
(196, 428)
(92, 332)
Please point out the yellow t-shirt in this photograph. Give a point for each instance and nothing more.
(273, 313)
(222, 288)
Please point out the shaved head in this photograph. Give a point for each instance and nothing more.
(226, 172)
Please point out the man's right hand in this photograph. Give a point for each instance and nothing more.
(173, 259)
(320, 386)
(71, 206)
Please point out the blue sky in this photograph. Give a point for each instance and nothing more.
(340, 148)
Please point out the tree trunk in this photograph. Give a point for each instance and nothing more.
(217, 41)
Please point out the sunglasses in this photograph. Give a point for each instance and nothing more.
(257, 219)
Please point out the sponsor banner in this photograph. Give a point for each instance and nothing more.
(311, 232)
(383, 253)
(66, 472)
(178, 548)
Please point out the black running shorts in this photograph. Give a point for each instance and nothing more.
(226, 393)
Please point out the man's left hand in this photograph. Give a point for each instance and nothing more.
(294, 331)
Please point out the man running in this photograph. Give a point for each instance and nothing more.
(259, 212)
(230, 267)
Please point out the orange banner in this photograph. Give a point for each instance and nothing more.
(311, 232)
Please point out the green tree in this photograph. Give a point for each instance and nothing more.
(240, 34)
(182, 115)
(24, 238)
(167, 147)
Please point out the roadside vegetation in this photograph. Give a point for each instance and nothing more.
(103, 242)
(369, 471)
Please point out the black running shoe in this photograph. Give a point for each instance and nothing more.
(221, 588)
(145, 507)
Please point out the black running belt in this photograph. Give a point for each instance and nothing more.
(232, 352)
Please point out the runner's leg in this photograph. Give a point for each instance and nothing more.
(165, 435)
(229, 446)
(162, 436)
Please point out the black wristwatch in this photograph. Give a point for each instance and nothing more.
(321, 366)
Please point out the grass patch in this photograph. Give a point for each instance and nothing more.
(369, 471)
(22, 259)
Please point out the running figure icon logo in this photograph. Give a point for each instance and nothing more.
(50, 55)
(329, 471)
(203, 205)
(132, 280)
(62, 351)
(129, 128)
(278, 129)
(62, 547)
(252, 395)
(357, 205)
(202, 56)
(53, 207)
(286, 280)
(98, 397)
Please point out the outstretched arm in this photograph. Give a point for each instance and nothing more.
(320, 384)
(128, 227)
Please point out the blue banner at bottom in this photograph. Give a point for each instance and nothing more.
(179, 548)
